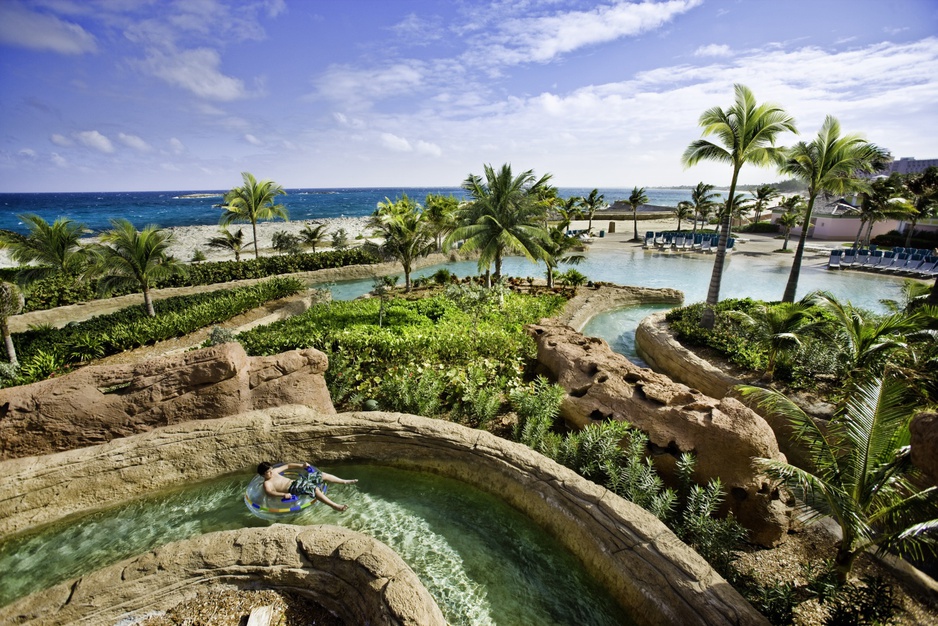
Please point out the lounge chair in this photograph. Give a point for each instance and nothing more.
(928, 267)
(862, 257)
(679, 242)
(834, 262)
(876, 259)
(897, 263)
(849, 257)
(705, 244)
(912, 264)
(888, 259)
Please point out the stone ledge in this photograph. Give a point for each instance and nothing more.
(649, 571)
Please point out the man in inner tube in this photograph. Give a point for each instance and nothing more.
(309, 484)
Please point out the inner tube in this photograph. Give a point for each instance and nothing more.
(267, 507)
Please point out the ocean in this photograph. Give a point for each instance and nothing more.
(197, 207)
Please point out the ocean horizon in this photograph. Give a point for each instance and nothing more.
(196, 207)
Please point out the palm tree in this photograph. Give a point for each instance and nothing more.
(313, 235)
(503, 216)
(830, 163)
(741, 207)
(777, 327)
(683, 211)
(11, 303)
(595, 201)
(136, 258)
(878, 202)
(229, 241)
(747, 132)
(923, 189)
(791, 217)
(48, 250)
(861, 476)
(636, 199)
(439, 212)
(704, 200)
(560, 248)
(406, 232)
(251, 202)
(763, 195)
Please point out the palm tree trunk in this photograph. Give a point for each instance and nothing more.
(792, 286)
(407, 284)
(695, 222)
(910, 232)
(257, 253)
(550, 277)
(708, 319)
(856, 240)
(787, 237)
(148, 302)
(843, 561)
(635, 223)
(8, 341)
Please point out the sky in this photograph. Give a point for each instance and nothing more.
(137, 95)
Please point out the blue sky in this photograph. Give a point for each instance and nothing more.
(111, 95)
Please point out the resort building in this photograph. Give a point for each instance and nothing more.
(839, 220)
(908, 165)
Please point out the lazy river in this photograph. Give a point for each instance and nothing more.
(481, 560)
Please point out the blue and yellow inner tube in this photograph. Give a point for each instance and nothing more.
(267, 507)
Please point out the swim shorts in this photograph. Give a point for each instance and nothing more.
(307, 483)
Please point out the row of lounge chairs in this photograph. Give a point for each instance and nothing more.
(681, 241)
(916, 263)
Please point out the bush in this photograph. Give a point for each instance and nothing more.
(760, 227)
(927, 239)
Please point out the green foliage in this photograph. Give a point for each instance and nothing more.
(219, 336)
(537, 406)
(572, 278)
(340, 240)
(442, 276)
(869, 604)
(286, 243)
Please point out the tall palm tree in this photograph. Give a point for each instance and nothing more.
(440, 211)
(251, 202)
(878, 202)
(747, 132)
(829, 163)
(595, 201)
(233, 241)
(704, 200)
(684, 210)
(636, 199)
(923, 191)
(313, 235)
(762, 196)
(48, 250)
(861, 476)
(503, 216)
(11, 303)
(406, 233)
(138, 258)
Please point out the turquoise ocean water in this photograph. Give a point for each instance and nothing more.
(177, 208)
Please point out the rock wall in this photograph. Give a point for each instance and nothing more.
(590, 302)
(353, 575)
(723, 434)
(652, 574)
(96, 404)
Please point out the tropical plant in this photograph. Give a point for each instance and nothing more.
(683, 211)
(829, 163)
(704, 201)
(286, 243)
(11, 303)
(777, 327)
(761, 198)
(741, 207)
(880, 201)
(636, 199)
(440, 211)
(561, 249)
(861, 476)
(595, 201)
(233, 241)
(747, 132)
(787, 221)
(198, 256)
(503, 216)
(136, 258)
(340, 240)
(922, 189)
(405, 231)
(252, 202)
(48, 250)
(313, 235)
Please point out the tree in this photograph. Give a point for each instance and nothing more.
(229, 241)
(762, 196)
(595, 201)
(313, 235)
(747, 132)
(406, 233)
(503, 216)
(286, 243)
(684, 210)
(48, 250)
(636, 199)
(11, 303)
(440, 211)
(704, 200)
(794, 207)
(136, 258)
(878, 202)
(830, 163)
(252, 202)
(777, 327)
(923, 191)
(862, 476)
(741, 207)
(559, 249)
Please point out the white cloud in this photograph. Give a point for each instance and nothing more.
(135, 142)
(176, 146)
(197, 71)
(40, 31)
(60, 140)
(251, 139)
(713, 50)
(354, 87)
(27, 153)
(58, 160)
(425, 147)
(395, 143)
(94, 139)
(345, 120)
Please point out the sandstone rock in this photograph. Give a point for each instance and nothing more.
(723, 434)
(924, 429)
(98, 403)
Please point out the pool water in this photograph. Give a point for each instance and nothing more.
(482, 561)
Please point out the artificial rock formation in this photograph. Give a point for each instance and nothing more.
(99, 403)
(724, 434)
(924, 430)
